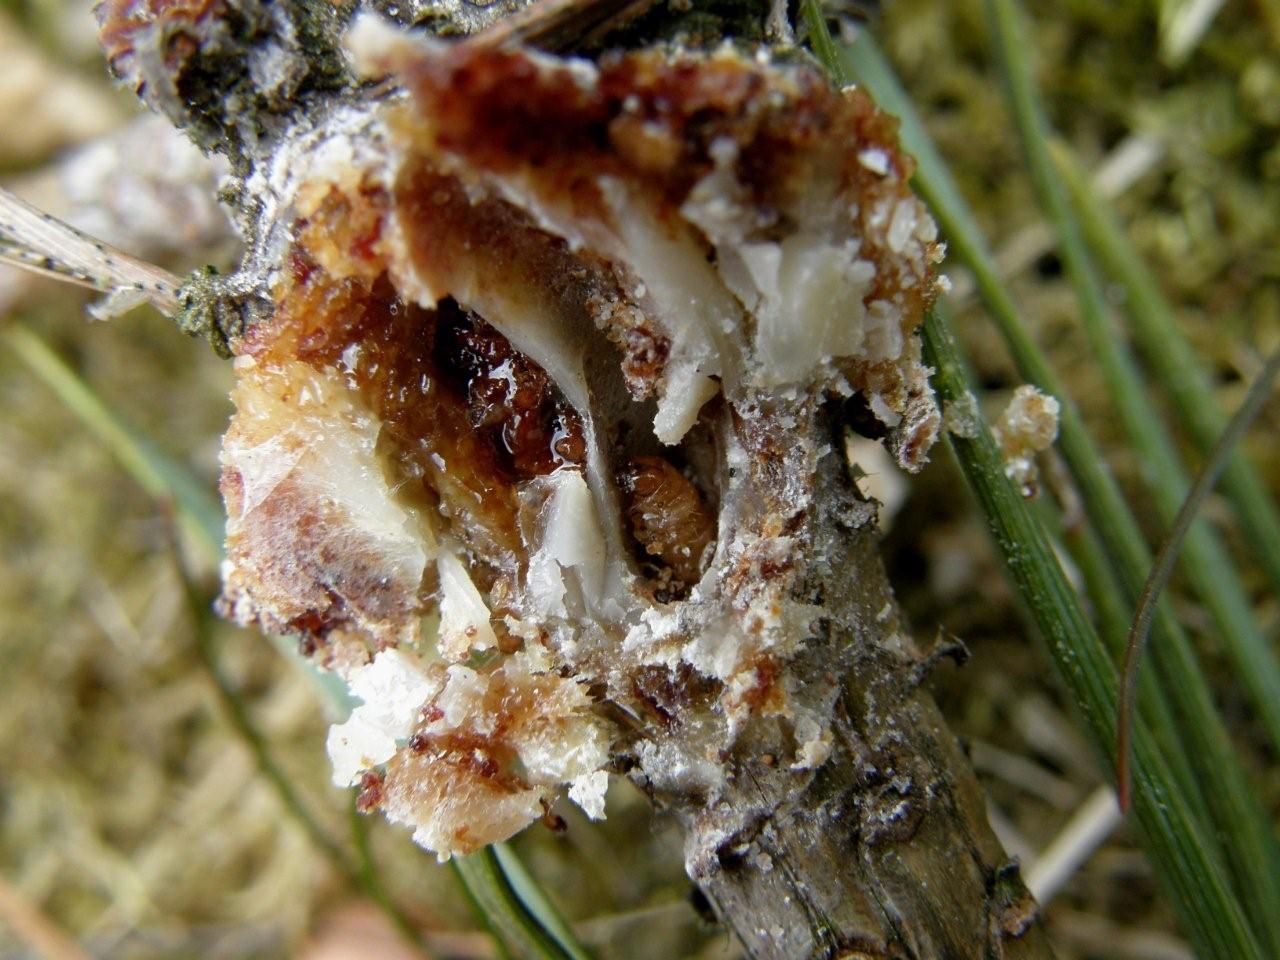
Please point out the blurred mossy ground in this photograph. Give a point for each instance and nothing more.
(1204, 216)
(131, 815)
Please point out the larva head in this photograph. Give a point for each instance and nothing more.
(531, 438)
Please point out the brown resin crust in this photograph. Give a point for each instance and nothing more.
(463, 436)
(653, 118)
(648, 114)
(464, 416)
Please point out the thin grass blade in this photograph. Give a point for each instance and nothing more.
(526, 928)
(1162, 569)
(1174, 363)
(370, 880)
(1239, 818)
(1113, 618)
(159, 475)
(1189, 867)
(1204, 559)
(535, 899)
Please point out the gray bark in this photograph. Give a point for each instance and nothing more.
(886, 851)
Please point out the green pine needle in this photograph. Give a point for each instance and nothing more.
(1174, 836)
(1173, 361)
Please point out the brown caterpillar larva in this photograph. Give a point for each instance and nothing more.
(670, 523)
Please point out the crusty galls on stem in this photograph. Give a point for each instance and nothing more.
(525, 280)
